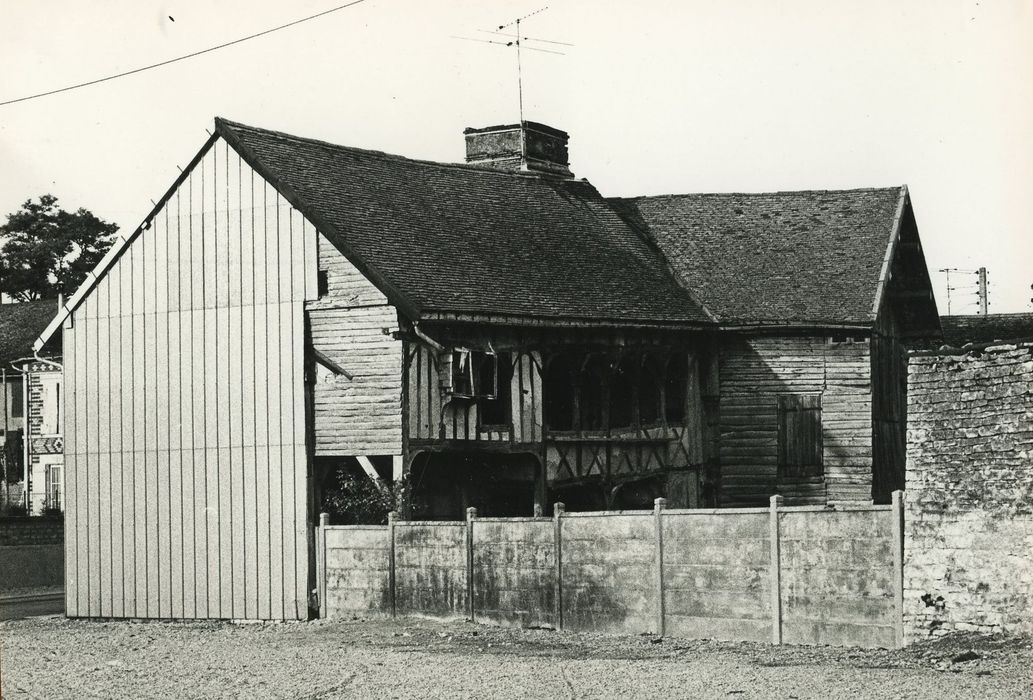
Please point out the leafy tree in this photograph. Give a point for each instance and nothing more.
(45, 250)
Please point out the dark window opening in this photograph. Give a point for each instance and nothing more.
(322, 283)
(624, 393)
(17, 397)
(592, 391)
(651, 378)
(676, 388)
(558, 390)
(799, 436)
(474, 373)
(498, 411)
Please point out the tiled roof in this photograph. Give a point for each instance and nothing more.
(458, 239)
(961, 330)
(20, 324)
(787, 257)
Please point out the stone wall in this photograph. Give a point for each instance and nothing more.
(969, 497)
(31, 553)
(17, 532)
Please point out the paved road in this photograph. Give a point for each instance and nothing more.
(31, 606)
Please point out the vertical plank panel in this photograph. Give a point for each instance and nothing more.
(249, 528)
(276, 548)
(311, 261)
(288, 465)
(92, 460)
(213, 517)
(112, 382)
(234, 228)
(239, 599)
(102, 445)
(153, 522)
(301, 523)
(175, 526)
(262, 457)
(73, 485)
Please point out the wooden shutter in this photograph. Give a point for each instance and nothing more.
(799, 435)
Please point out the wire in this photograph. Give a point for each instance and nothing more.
(182, 58)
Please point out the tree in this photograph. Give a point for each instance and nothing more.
(46, 251)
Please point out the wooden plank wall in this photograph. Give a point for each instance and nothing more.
(351, 325)
(431, 417)
(889, 405)
(185, 431)
(753, 372)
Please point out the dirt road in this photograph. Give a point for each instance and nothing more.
(58, 658)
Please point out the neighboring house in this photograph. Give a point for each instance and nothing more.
(962, 330)
(30, 400)
(498, 332)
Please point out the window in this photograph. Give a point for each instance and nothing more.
(558, 389)
(53, 486)
(50, 391)
(322, 283)
(799, 436)
(677, 388)
(474, 373)
(498, 410)
(17, 398)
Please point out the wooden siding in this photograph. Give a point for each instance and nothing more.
(889, 405)
(753, 373)
(432, 418)
(352, 325)
(185, 433)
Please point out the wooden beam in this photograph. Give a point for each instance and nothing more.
(367, 466)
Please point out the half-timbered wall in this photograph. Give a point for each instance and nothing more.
(431, 418)
(351, 324)
(185, 418)
(753, 373)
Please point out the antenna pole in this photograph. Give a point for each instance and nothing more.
(520, 92)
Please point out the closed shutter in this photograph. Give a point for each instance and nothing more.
(799, 435)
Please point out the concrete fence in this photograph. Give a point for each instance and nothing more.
(801, 575)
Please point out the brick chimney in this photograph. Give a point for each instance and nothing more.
(528, 147)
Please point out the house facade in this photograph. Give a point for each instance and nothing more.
(31, 438)
(496, 332)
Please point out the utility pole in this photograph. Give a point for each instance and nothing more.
(983, 302)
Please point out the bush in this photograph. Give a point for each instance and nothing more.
(355, 499)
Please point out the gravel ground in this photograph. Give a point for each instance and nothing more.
(52, 657)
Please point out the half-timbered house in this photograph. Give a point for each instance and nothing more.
(496, 331)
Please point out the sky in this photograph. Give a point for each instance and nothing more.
(658, 97)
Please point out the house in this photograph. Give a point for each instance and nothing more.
(986, 328)
(497, 332)
(30, 409)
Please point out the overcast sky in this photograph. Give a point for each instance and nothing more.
(658, 97)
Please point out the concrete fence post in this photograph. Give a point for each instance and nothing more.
(557, 517)
(898, 563)
(324, 522)
(661, 614)
(471, 515)
(776, 572)
(391, 518)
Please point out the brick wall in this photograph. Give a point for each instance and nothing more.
(969, 498)
(19, 532)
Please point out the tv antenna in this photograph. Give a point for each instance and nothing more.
(516, 38)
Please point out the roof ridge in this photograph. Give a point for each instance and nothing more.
(466, 167)
(677, 195)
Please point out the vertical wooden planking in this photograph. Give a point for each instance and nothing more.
(288, 465)
(93, 477)
(262, 456)
(234, 442)
(301, 523)
(112, 383)
(102, 445)
(163, 539)
(311, 261)
(73, 486)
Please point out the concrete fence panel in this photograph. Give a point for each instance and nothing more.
(810, 575)
(430, 569)
(837, 577)
(717, 578)
(514, 564)
(608, 572)
(357, 571)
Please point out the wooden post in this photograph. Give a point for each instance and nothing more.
(537, 510)
(898, 563)
(776, 573)
(658, 510)
(471, 515)
(557, 518)
(324, 522)
(391, 518)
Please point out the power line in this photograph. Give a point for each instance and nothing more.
(184, 57)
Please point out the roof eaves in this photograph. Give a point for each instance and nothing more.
(225, 128)
(891, 249)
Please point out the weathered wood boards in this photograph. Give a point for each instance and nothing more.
(351, 324)
(753, 373)
(184, 419)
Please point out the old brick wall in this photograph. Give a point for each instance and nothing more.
(18, 532)
(31, 552)
(969, 498)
